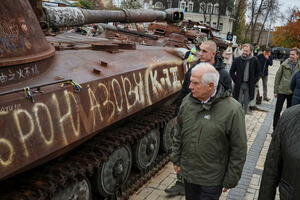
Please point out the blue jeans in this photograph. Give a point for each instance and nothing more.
(198, 192)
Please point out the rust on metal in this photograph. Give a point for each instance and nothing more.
(129, 46)
(97, 71)
(73, 16)
(17, 46)
(103, 64)
(60, 117)
(105, 47)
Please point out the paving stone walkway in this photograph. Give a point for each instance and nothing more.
(259, 129)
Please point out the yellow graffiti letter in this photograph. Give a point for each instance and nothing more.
(95, 107)
(140, 85)
(9, 159)
(107, 101)
(119, 105)
(156, 86)
(24, 136)
(36, 108)
(176, 82)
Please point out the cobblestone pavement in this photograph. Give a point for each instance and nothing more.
(259, 130)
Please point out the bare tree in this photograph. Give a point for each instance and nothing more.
(251, 6)
(203, 6)
(240, 20)
(257, 15)
(272, 7)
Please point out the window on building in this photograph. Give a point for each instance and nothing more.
(214, 25)
(169, 3)
(159, 5)
(209, 8)
(201, 22)
(202, 8)
(221, 26)
(182, 5)
(216, 9)
(208, 23)
(190, 6)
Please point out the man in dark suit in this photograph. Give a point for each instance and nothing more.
(245, 73)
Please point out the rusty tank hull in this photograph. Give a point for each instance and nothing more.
(86, 113)
(114, 86)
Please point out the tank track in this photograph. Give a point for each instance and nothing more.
(45, 181)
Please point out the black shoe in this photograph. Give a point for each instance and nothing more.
(177, 189)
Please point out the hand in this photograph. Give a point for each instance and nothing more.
(275, 95)
(225, 189)
(177, 169)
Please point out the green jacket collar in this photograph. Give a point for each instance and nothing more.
(220, 94)
(286, 64)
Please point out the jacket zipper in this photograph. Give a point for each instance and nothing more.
(199, 135)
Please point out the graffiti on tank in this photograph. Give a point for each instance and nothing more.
(64, 117)
(12, 36)
(8, 108)
(18, 73)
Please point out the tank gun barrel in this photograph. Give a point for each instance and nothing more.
(73, 16)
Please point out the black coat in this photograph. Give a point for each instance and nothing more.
(264, 64)
(282, 164)
(295, 87)
(225, 80)
(237, 74)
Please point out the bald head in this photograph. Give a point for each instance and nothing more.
(208, 51)
(211, 44)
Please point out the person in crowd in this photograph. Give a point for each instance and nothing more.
(207, 54)
(265, 60)
(210, 145)
(227, 55)
(282, 163)
(238, 51)
(245, 73)
(283, 56)
(295, 87)
(256, 49)
(282, 83)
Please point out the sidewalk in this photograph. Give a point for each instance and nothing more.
(259, 129)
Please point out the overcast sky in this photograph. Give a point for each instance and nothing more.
(285, 5)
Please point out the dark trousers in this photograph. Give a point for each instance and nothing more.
(198, 192)
(279, 103)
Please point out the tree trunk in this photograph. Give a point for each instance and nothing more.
(253, 3)
(259, 10)
(219, 16)
(263, 25)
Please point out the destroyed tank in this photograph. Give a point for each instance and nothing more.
(81, 117)
(156, 34)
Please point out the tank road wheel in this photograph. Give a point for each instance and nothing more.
(167, 136)
(114, 173)
(146, 149)
(80, 190)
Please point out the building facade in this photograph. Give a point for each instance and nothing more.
(203, 12)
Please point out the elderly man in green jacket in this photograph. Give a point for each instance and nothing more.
(210, 145)
(282, 83)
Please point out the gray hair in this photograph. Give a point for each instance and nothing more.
(210, 75)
